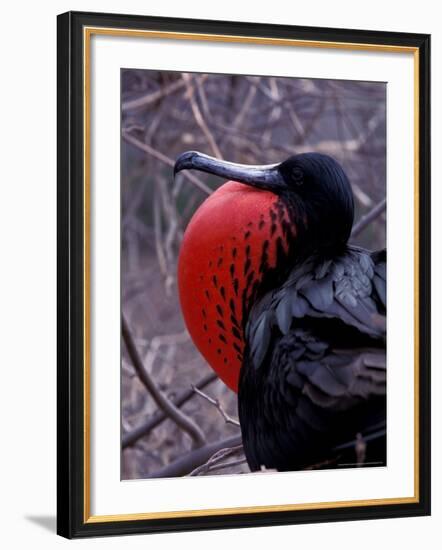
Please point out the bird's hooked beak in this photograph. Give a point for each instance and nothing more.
(266, 177)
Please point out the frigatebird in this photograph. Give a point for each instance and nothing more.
(287, 312)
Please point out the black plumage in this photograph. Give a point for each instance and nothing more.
(314, 370)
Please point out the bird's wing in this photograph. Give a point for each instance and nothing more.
(333, 379)
(344, 297)
(321, 340)
(317, 399)
(322, 385)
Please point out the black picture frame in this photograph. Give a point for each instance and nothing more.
(72, 519)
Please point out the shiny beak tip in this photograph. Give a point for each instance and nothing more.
(184, 161)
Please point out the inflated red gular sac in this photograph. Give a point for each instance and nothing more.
(270, 290)
(229, 255)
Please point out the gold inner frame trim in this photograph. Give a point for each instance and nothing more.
(134, 33)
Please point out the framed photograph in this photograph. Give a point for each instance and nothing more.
(227, 193)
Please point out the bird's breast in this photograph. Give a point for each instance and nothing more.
(236, 237)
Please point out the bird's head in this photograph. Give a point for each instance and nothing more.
(313, 185)
(246, 235)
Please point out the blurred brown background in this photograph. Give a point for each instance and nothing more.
(255, 120)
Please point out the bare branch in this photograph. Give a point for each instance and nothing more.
(202, 95)
(368, 218)
(226, 465)
(163, 158)
(158, 235)
(217, 459)
(186, 464)
(199, 116)
(155, 123)
(240, 117)
(273, 116)
(152, 97)
(132, 437)
(217, 404)
(175, 414)
(164, 211)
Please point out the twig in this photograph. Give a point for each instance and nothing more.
(171, 216)
(239, 118)
(217, 404)
(296, 121)
(163, 158)
(159, 417)
(312, 122)
(273, 116)
(203, 97)
(361, 195)
(173, 412)
(216, 459)
(155, 123)
(198, 116)
(226, 465)
(185, 464)
(161, 257)
(150, 98)
(368, 218)
(163, 204)
(247, 102)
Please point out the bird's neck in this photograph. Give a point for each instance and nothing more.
(320, 231)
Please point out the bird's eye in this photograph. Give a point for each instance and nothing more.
(297, 176)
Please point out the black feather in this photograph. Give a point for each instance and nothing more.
(317, 348)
